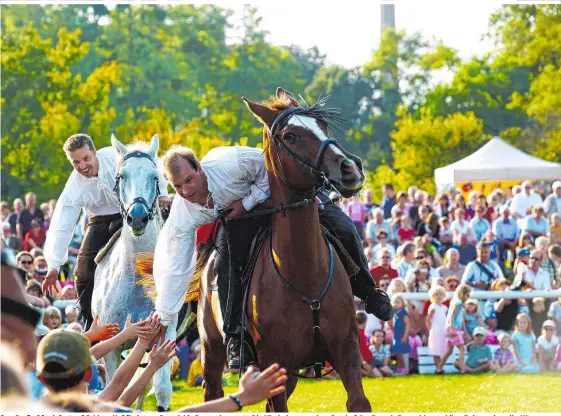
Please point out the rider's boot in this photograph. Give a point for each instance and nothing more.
(233, 350)
(376, 301)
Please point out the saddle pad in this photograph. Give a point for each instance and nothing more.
(105, 249)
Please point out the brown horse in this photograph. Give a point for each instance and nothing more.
(299, 156)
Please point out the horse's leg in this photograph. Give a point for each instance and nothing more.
(279, 403)
(213, 358)
(347, 362)
(162, 378)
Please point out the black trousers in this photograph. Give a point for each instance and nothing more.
(240, 235)
(98, 232)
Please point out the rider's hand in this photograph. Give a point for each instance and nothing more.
(236, 209)
(164, 201)
(255, 386)
(49, 283)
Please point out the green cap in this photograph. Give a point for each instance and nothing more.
(68, 348)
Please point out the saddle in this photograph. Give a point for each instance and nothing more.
(105, 249)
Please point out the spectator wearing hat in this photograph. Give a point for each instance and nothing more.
(552, 203)
(522, 260)
(536, 224)
(383, 269)
(376, 224)
(482, 272)
(547, 344)
(479, 356)
(525, 200)
(383, 243)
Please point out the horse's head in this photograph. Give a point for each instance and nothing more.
(299, 147)
(137, 184)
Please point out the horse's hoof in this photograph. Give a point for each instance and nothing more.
(161, 409)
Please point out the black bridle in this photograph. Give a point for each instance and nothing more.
(150, 208)
(314, 169)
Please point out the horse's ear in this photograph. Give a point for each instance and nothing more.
(286, 95)
(264, 114)
(119, 147)
(154, 145)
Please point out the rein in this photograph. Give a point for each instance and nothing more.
(151, 209)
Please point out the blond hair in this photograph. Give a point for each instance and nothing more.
(435, 291)
(520, 316)
(50, 312)
(172, 156)
(462, 290)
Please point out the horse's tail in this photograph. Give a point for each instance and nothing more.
(145, 268)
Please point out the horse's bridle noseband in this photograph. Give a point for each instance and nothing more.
(314, 169)
(151, 209)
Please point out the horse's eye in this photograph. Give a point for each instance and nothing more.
(290, 137)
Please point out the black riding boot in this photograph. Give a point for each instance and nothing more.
(240, 234)
(376, 301)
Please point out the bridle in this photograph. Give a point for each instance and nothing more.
(321, 179)
(150, 208)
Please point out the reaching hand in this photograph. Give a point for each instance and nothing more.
(153, 327)
(101, 332)
(160, 356)
(141, 329)
(236, 209)
(49, 285)
(255, 386)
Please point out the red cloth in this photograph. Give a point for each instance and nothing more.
(378, 272)
(39, 240)
(406, 235)
(203, 233)
(364, 351)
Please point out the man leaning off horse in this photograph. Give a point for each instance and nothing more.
(231, 181)
(90, 186)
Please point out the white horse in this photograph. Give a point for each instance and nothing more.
(117, 292)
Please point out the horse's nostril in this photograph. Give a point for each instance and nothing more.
(145, 220)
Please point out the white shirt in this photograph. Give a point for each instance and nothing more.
(95, 195)
(548, 346)
(540, 279)
(233, 173)
(522, 202)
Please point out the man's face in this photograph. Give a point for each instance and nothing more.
(527, 189)
(484, 254)
(25, 262)
(85, 161)
(454, 257)
(558, 191)
(41, 264)
(535, 261)
(385, 259)
(384, 284)
(506, 214)
(379, 218)
(31, 200)
(18, 205)
(367, 196)
(188, 182)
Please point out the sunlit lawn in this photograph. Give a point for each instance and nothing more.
(449, 393)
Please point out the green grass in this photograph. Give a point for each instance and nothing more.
(521, 393)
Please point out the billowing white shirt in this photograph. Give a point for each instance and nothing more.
(95, 195)
(522, 202)
(233, 173)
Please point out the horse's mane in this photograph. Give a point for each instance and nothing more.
(137, 145)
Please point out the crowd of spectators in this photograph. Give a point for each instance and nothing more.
(440, 244)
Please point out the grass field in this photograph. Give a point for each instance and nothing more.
(415, 393)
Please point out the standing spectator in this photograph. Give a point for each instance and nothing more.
(525, 200)
(536, 224)
(383, 269)
(547, 264)
(28, 214)
(35, 237)
(367, 200)
(357, 211)
(401, 326)
(506, 230)
(488, 212)
(451, 266)
(389, 200)
(482, 272)
(460, 203)
(13, 217)
(10, 239)
(436, 323)
(552, 203)
(376, 224)
(402, 206)
(555, 226)
(472, 205)
(4, 211)
(538, 314)
(421, 226)
(524, 342)
(478, 224)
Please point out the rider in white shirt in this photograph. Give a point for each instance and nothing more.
(230, 181)
(90, 186)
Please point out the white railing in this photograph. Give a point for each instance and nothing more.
(491, 294)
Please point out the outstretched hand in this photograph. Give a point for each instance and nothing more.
(256, 387)
(160, 356)
(99, 332)
(50, 283)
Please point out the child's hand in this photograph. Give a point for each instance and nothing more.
(160, 356)
(136, 330)
(150, 337)
(101, 332)
(255, 386)
(404, 339)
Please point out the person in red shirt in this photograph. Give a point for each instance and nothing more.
(35, 237)
(365, 353)
(383, 269)
(406, 232)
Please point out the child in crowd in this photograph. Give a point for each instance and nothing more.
(479, 354)
(455, 328)
(195, 377)
(555, 224)
(547, 346)
(445, 233)
(366, 355)
(401, 329)
(70, 315)
(406, 232)
(472, 316)
(52, 318)
(538, 314)
(524, 342)
(381, 355)
(554, 314)
(436, 323)
(504, 358)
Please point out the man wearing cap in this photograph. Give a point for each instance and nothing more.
(479, 354)
(525, 200)
(482, 272)
(552, 203)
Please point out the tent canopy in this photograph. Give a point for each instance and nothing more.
(497, 160)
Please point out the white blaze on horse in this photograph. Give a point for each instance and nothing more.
(117, 290)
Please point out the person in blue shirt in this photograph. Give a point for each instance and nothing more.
(536, 224)
(506, 229)
(479, 225)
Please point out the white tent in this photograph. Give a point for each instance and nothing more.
(497, 161)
